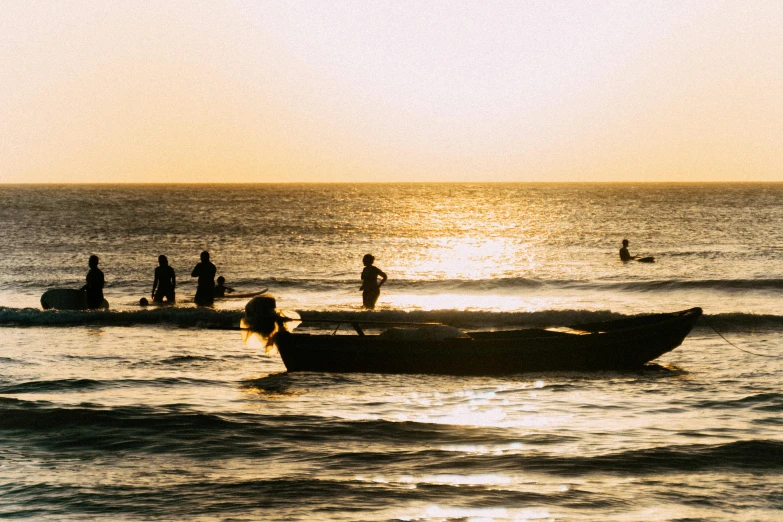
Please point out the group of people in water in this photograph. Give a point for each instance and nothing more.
(164, 284)
(165, 281)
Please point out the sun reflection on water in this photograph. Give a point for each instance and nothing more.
(517, 301)
(437, 512)
(518, 407)
(490, 408)
(472, 258)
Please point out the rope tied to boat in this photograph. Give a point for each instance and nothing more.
(742, 349)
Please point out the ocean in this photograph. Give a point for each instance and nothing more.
(159, 414)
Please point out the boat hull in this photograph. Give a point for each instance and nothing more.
(615, 345)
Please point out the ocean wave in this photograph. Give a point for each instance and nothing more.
(66, 385)
(368, 448)
(430, 446)
(743, 322)
(51, 386)
(280, 498)
(476, 319)
(190, 360)
(166, 428)
(761, 401)
(738, 455)
(527, 283)
(496, 284)
(725, 285)
(466, 319)
(502, 284)
(183, 317)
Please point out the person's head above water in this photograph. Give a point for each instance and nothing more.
(163, 260)
(93, 262)
(368, 259)
(221, 280)
(205, 256)
(625, 242)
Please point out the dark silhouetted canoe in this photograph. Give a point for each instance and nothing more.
(624, 344)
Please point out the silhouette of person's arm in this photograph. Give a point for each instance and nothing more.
(196, 271)
(173, 279)
(155, 283)
(370, 275)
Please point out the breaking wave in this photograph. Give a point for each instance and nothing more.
(526, 283)
(229, 319)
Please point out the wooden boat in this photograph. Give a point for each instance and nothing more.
(623, 344)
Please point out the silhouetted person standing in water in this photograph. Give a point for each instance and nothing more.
(205, 271)
(624, 254)
(94, 286)
(371, 288)
(165, 281)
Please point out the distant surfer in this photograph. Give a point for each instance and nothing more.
(221, 289)
(625, 256)
(94, 286)
(165, 281)
(371, 288)
(205, 271)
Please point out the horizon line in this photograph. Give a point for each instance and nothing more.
(603, 182)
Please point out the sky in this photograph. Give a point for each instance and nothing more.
(358, 91)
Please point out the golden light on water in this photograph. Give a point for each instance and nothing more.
(438, 512)
(471, 258)
(467, 301)
(471, 408)
(461, 415)
(254, 342)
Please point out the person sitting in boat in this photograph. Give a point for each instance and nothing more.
(165, 281)
(95, 282)
(371, 288)
(221, 289)
(205, 271)
(625, 256)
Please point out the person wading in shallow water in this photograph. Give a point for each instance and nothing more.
(371, 288)
(165, 281)
(205, 271)
(94, 286)
(624, 254)
(221, 289)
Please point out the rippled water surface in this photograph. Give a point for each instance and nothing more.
(156, 415)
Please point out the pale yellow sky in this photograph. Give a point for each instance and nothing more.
(270, 91)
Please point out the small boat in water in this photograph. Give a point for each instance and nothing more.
(623, 344)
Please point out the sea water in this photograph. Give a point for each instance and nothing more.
(145, 414)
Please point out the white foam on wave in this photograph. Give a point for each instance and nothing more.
(209, 318)
(192, 317)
